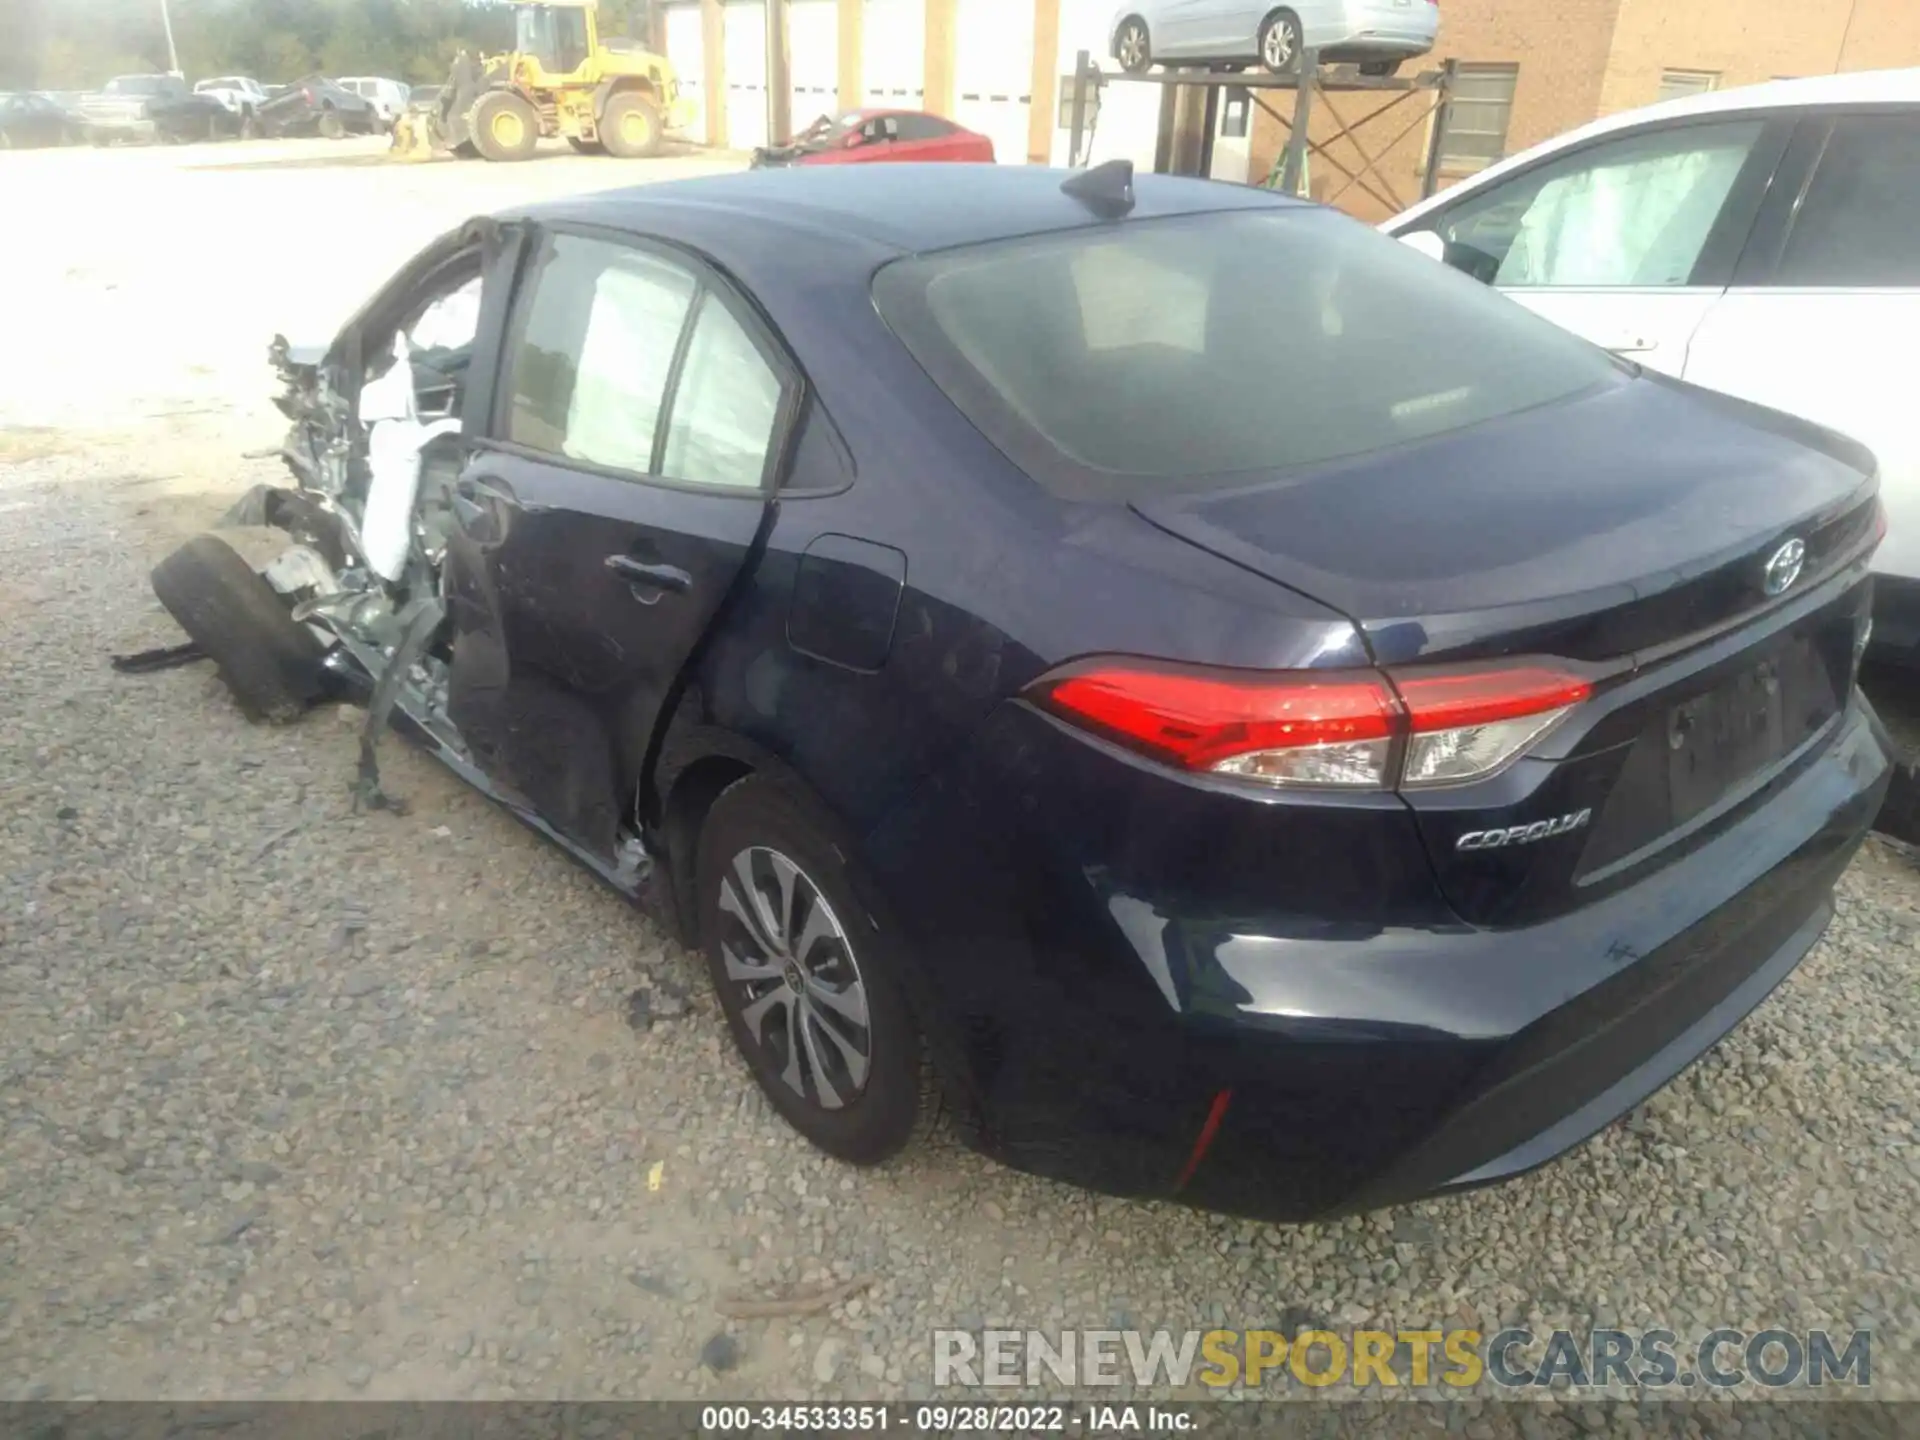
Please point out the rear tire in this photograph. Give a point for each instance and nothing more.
(269, 660)
(504, 126)
(1133, 46)
(331, 127)
(630, 126)
(814, 1003)
(1280, 42)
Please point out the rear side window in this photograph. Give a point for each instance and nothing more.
(1155, 356)
(622, 359)
(1858, 223)
(594, 352)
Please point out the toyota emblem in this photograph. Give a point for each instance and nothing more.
(1783, 567)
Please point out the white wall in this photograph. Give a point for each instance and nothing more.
(746, 74)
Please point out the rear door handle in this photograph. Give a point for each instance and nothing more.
(652, 575)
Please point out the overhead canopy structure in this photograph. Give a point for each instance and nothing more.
(1190, 118)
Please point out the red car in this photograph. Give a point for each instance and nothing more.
(862, 135)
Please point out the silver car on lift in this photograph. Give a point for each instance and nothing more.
(1376, 34)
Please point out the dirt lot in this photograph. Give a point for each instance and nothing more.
(298, 1103)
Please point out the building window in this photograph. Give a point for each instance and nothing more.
(1236, 112)
(1475, 131)
(1678, 84)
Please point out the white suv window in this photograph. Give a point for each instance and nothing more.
(1629, 213)
(1857, 224)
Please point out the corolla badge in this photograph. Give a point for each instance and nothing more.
(1783, 566)
(1524, 834)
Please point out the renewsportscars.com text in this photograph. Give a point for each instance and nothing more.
(1454, 1359)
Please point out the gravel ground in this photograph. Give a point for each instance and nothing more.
(297, 1103)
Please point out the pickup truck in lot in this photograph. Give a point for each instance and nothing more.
(147, 108)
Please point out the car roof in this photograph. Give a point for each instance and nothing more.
(904, 208)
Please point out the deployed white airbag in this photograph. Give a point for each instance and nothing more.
(395, 438)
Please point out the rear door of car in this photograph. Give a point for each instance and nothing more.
(1628, 239)
(636, 428)
(1821, 317)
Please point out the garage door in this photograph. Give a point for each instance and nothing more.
(993, 71)
(813, 53)
(684, 49)
(895, 40)
(746, 74)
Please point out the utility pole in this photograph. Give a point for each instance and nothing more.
(173, 55)
(779, 75)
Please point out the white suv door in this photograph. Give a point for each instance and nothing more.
(1823, 313)
(1628, 240)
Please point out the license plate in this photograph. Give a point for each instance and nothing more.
(1718, 739)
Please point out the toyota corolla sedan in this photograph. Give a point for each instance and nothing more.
(1378, 35)
(1288, 747)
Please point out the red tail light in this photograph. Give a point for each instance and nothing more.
(1353, 729)
(308, 95)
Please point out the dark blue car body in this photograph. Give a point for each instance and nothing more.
(1284, 1003)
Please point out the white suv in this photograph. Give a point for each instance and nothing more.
(388, 97)
(1762, 241)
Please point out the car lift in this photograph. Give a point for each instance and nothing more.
(1190, 110)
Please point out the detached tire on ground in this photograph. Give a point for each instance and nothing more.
(805, 974)
(504, 126)
(269, 661)
(630, 126)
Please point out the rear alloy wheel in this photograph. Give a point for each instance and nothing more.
(504, 126)
(1280, 42)
(1133, 49)
(630, 126)
(804, 976)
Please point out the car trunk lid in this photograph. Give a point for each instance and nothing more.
(1590, 529)
(1645, 532)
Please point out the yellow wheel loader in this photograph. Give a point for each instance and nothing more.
(606, 96)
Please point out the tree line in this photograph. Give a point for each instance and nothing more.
(79, 44)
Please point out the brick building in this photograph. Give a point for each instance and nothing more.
(1532, 69)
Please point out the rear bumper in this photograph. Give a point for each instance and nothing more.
(1092, 1027)
(1382, 28)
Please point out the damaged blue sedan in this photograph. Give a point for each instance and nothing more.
(1223, 707)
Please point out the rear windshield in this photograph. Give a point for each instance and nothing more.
(1144, 357)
